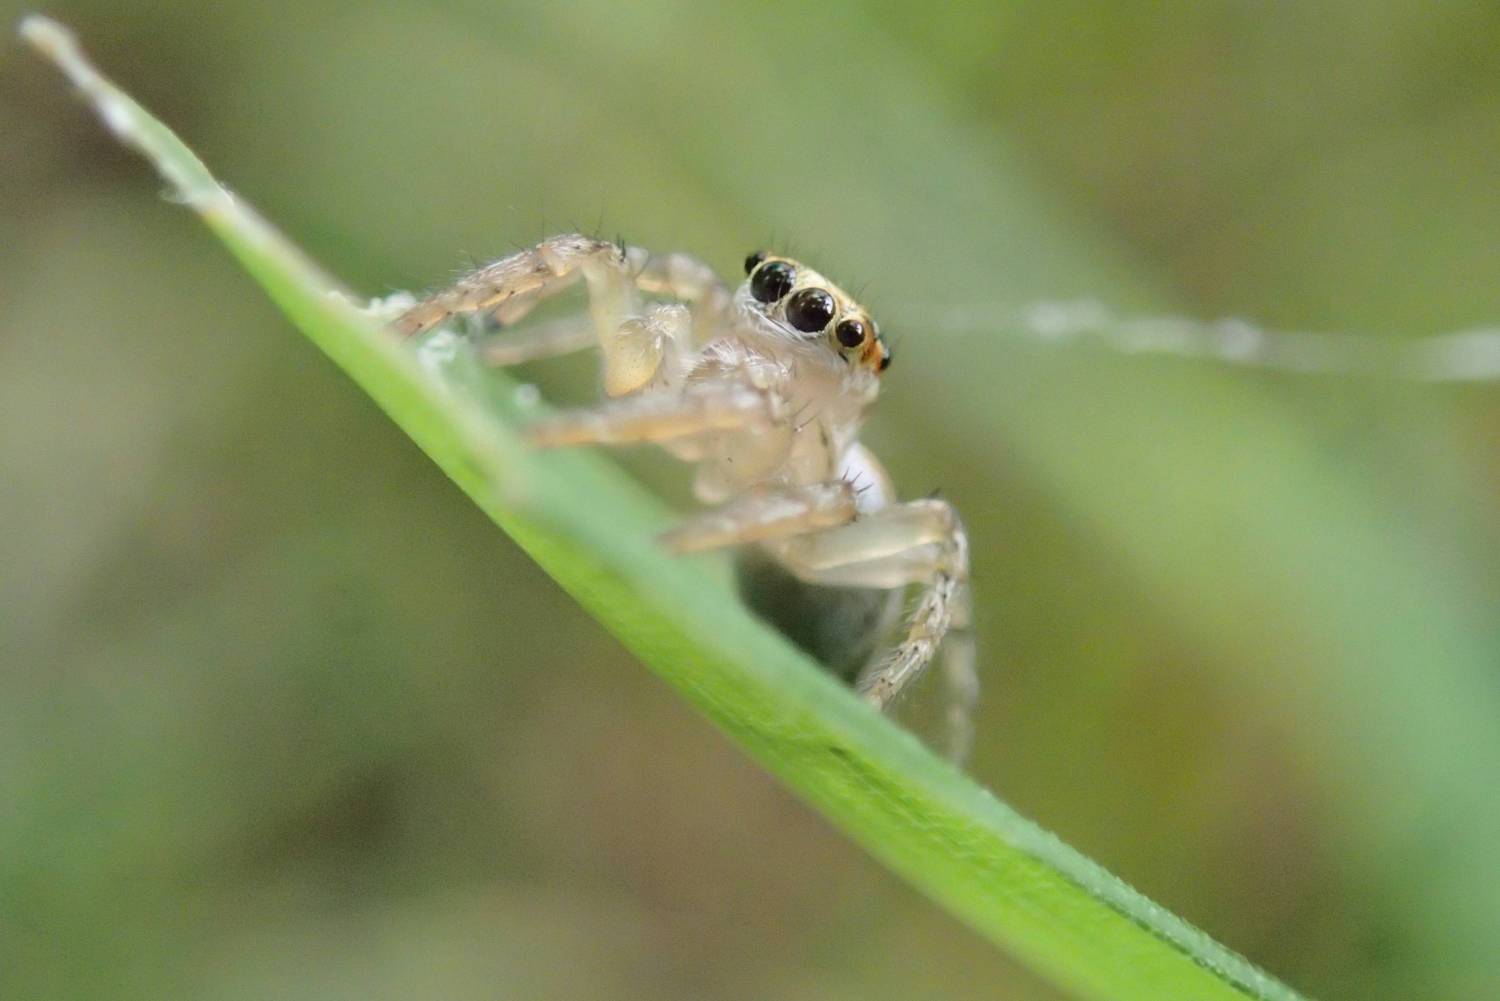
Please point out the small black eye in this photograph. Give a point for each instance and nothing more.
(772, 281)
(754, 260)
(810, 310)
(850, 332)
(885, 360)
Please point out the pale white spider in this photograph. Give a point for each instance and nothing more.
(764, 391)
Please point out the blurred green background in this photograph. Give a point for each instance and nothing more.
(281, 715)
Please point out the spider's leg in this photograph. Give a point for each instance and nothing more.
(920, 542)
(637, 344)
(960, 679)
(766, 514)
(662, 417)
(640, 355)
(534, 341)
(511, 286)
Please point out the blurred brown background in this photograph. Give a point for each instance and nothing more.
(281, 715)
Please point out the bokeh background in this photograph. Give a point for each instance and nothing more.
(281, 715)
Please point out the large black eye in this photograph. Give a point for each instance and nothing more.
(753, 261)
(810, 310)
(772, 281)
(850, 332)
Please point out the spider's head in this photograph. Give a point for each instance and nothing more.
(798, 303)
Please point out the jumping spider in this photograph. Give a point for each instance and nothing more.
(763, 389)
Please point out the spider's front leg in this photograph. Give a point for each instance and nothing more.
(920, 542)
(510, 287)
(637, 341)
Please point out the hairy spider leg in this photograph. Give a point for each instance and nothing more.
(641, 344)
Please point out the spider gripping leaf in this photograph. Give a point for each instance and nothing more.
(1013, 882)
(763, 391)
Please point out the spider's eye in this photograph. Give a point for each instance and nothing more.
(850, 332)
(772, 281)
(753, 261)
(810, 310)
(885, 359)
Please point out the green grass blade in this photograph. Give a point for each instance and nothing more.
(592, 528)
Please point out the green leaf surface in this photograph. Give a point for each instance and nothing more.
(593, 528)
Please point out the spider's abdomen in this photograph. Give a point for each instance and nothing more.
(839, 627)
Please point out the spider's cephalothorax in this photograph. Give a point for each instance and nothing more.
(763, 390)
